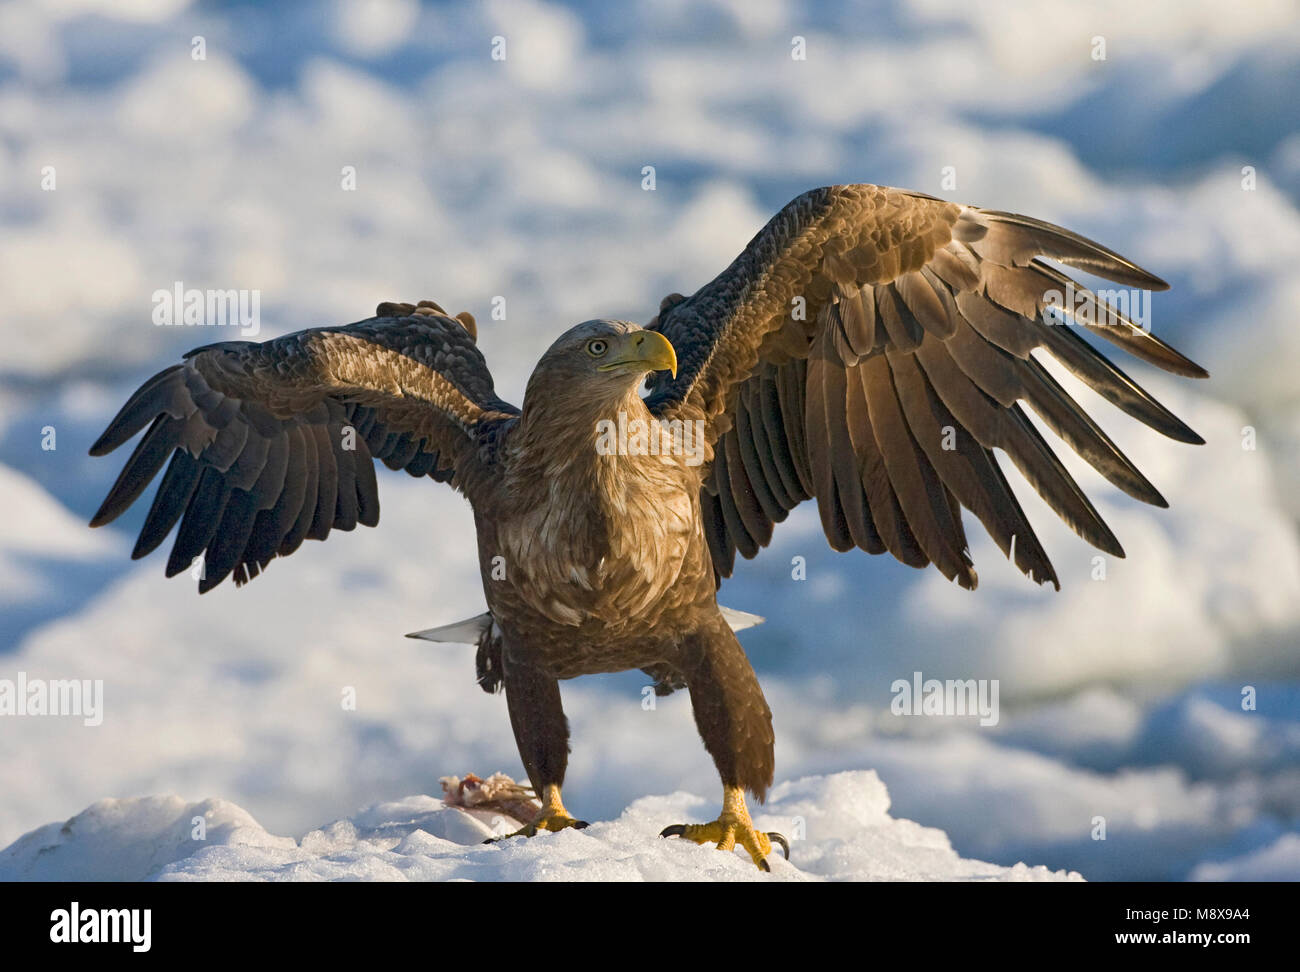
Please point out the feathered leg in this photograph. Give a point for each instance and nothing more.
(542, 735)
(736, 726)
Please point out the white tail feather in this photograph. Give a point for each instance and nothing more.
(465, 632)
(469, 631)
(740, 620)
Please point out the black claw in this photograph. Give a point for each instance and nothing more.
(763, 865)
(580, 825)
(780, 839)
(676, 830)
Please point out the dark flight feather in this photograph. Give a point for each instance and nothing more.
(256, 434)
(924, 316)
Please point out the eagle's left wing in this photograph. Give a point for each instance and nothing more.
(871, 348)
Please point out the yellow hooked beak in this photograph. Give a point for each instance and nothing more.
(644, 351)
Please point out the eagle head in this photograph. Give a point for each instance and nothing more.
(606, 358)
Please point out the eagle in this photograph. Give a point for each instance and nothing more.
(871, 349)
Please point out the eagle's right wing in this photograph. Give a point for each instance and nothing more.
(272, 443)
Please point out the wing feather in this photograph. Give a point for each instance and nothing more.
(873, 348)
(919, 493)
(727, 504)
(743, 496)
(305, 513)
(169, 502)
(751, 443)
(820, 403)
(274, 443)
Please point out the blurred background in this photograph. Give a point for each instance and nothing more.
(1121, 698)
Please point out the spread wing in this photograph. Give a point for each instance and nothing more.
(274, 443)
(871, 347)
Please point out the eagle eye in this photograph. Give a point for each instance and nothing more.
(597, 347)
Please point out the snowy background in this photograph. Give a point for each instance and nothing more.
(477, 178)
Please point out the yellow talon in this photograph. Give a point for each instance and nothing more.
(552, 817)
(555, 822)
(732, 827)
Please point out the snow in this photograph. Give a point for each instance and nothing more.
(1279, 861)
(1121, 698)
(840, 827)
(36, 528)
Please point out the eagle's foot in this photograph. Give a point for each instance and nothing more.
(732, 827)
(553, 817)
(545, 821)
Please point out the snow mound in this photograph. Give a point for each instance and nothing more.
(839, 825)
(1278, 862)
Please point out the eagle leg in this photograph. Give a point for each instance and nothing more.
(735, 724)
(553, 817)
(542, 735)
(732, 827)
